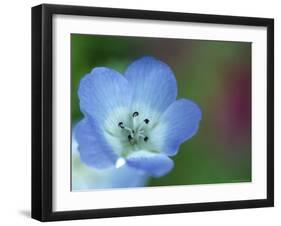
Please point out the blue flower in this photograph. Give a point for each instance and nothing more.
(134, 119)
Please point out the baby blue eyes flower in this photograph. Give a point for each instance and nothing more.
(135, 119)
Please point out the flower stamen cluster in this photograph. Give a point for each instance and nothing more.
(136, 134)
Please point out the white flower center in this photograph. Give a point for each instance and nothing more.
(128, 131)
(135, 132)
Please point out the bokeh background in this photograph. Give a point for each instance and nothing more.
(214, 74)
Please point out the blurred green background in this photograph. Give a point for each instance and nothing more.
(214, 74)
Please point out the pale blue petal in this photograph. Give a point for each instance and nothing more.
(153, 83)
(92, 146)
(154, 164)
(178, 124)
(85, 178)
(125, 177)
(103, 91)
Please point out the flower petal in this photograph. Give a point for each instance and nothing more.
(92, 146)
(153, 84)
(125, 177)
(154, 164)
(177, 124)
(102, 91)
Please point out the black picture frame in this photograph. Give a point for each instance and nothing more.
(42, 107)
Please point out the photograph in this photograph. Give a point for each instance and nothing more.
(141, 112)
(150, 111)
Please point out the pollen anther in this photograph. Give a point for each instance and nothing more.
(121, 125)
(135, 114)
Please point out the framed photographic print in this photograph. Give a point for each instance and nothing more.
(146, 112)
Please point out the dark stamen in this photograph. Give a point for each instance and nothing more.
(146, 121)
(135, 114)
(145, 139)
(133, 131)
(120, 124)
